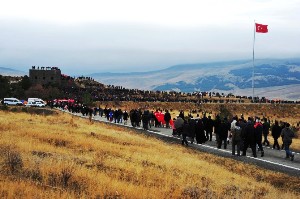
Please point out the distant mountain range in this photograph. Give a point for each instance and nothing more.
(11, 72)
(273, 78)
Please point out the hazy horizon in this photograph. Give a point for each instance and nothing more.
(86, 73)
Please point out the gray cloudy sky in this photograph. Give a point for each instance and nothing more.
(81, 37)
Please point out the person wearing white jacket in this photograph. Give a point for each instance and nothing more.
(236, 133)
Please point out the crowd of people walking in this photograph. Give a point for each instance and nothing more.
(243, 134)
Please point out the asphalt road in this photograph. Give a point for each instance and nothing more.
(272, 160)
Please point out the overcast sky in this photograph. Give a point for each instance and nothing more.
(87, 36)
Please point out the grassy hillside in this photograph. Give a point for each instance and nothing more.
(60, 156)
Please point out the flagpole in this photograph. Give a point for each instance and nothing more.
(253, 65)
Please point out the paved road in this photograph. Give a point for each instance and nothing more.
(273, 159)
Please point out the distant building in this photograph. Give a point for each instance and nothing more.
(45, 75)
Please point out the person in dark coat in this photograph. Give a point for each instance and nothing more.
(151, 119)
(209, 128)
(167, 118)
(200, 134)
(282, 126)
(178, 124)
(185, 132)
(95, 111)
(125, 117)
(242, 124)
(249, 137)
(133, 117)
(145, 119)
(139, 117)
(120, 116)
(116, 115)
(266, 129)
(258, 135)
(225, 127)
(287, 136)
(181, 114)
(192, 132)
(217, 127)
(106, 113)
(276, 131)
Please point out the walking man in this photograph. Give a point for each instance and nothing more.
(209, 128)
(276, 130)
(167, 118)
(249, 137)
(287, 136)
(266, 128)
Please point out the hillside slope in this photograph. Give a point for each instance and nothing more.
(271, 76)
(11, 72)
(59, 156)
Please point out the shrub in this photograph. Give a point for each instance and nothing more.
(65, 175)
(24, 109)
(33, 174)
(14, 109)
(12, 160)
(4, 108)
(191, 192)
(61, 179)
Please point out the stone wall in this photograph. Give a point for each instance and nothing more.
(45, 75)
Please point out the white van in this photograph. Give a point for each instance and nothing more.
(12, 101)
(36, 100)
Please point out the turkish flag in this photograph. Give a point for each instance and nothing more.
(260, 28)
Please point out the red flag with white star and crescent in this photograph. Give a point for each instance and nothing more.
(260, 28)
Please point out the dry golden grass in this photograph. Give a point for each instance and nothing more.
(60, 156)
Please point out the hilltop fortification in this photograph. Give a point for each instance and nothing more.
(45, 75)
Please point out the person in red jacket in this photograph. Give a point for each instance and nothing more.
(258, 135)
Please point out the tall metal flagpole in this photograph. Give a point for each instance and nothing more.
(253, 65)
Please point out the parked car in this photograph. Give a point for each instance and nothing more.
(12, 101)
(35, 104)
(36, 100)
